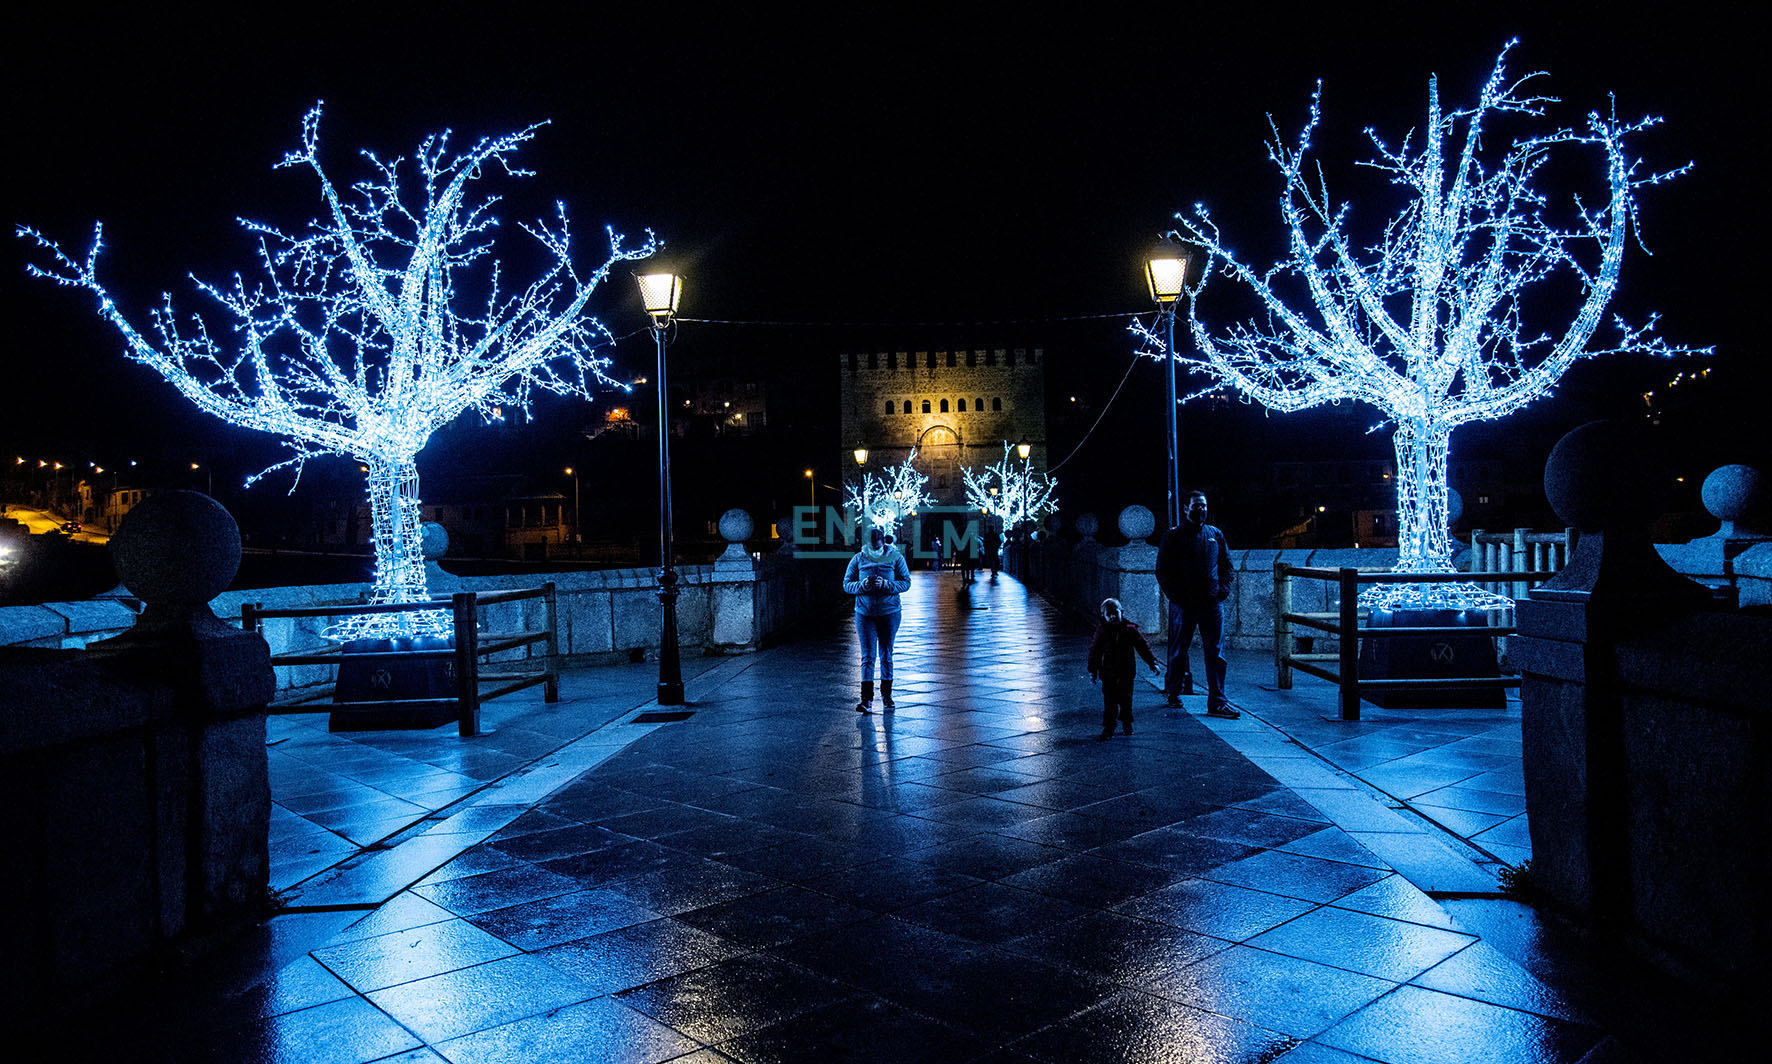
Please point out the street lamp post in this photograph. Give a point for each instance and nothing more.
(660, 293)
(578, 534)
(1165, 270)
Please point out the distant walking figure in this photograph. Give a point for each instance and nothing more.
(876, 576)
(1194, 570)
(1110, 660)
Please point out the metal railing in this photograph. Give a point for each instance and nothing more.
(1344, 624)
(470, 646)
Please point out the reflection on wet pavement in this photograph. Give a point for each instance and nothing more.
(971, 877)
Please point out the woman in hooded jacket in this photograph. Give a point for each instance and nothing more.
(876, 576)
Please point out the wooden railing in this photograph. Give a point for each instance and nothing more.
(471, 645)
(1344, 624)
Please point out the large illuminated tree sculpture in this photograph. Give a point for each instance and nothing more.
(1426, 319)
(1011, 491)
(355, 338)
(887, 499)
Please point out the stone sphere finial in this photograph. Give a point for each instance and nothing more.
(1088, 525)
(175, 552)
(1136, 523)
(1053, 523)
(433, 540)
(1734, 493)
(1604, 476)
(736, 526)
(1454, 506)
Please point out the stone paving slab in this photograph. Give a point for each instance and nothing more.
(973, 877)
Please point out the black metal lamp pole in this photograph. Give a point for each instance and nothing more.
(1166, 273)
(1174, 437)
(660, 292)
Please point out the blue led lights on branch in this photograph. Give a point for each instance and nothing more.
(1424, 320)
(1011, 491)
(351, 341)
(886, 500)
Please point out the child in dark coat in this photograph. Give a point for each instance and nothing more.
(1110, 660)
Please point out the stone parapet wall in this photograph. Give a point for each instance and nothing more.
(604, 616)
(1079, 576)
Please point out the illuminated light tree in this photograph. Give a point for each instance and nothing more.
(886, 500)
(1427, 323)
(1011, 491)
(350, 342)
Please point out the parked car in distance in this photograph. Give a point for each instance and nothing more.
(71, 527)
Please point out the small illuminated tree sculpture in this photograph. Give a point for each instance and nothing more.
(885, 500)
(351, 340)
(1011, 491)
(1428, 322)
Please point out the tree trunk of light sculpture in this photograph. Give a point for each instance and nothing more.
(1424, 320)
(352, 343)
(1424, 540)
(395, 519)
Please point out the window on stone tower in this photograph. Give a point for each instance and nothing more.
(925, 406)
(873, 360)
(962, 406)
(907, 406)
(892, 360)
(996, 402)
(929, 360)
(889, 406)
(990, 357)
(972, 358)
(944, 406)
(951, 360)
(978, 405)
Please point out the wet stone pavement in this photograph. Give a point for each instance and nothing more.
(973, 877)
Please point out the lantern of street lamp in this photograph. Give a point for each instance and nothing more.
(1165, 271)
(659, 294)
(1024, 448)
(861, 456)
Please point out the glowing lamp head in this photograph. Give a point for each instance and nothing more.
(659, 293)
(1165, 271)
(1024, 448)
(861, 456)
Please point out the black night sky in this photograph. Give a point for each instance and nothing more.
(840, 179)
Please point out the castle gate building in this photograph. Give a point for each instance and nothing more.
(956, 408)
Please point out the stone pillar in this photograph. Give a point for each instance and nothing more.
(434, 542)
(734, 587)
(1736, 496)
(1135, 565)
(1603, 479)
(135, 772)
(175, 552)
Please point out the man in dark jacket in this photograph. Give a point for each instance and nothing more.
(1194, 570)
